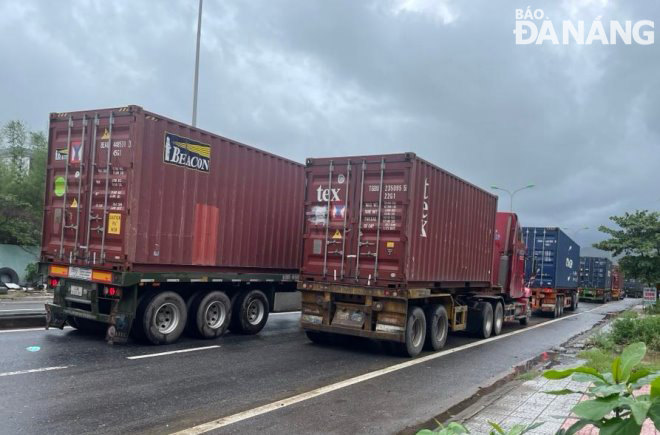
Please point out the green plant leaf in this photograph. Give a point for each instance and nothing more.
(596, 409)
(638, 374)
(561, 374)
(532, 426)
(631, 356)
(639, 408)
(620, 426)
(577, 426)
(644, 381)
(655, 389)
(607, 390)
(584, 377)
(616, 369)
(654, 413)
(563, 392)
(426, 432)
(497, 427)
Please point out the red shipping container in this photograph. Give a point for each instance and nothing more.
(395, 220)
(131, 190)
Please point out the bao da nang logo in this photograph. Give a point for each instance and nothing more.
(188, 153)
(533, 27)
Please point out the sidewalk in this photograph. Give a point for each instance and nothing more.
(527, 404)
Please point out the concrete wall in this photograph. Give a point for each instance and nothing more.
(18, 257)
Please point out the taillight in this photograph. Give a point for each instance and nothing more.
(53, 282)
(114, 292)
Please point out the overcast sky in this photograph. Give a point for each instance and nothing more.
(303, 78)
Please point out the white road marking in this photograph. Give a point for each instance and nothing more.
(151, 355)
(235, 418)
(29, 329)
(22, 309)
(44, 369)
(283, 313)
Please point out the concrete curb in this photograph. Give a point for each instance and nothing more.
(23, 319)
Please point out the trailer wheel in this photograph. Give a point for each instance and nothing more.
(72, 322)
(212, 313)
(319, 337)
(437, 327)
(250, 313)
(481, 323)
(498, 318)
(8, 276)
(415, 333)
(163, 318)
(573, 302)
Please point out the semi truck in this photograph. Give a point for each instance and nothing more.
(400, 250)
(551, 270)
(617, 283)
(152, 226)
(595, 279)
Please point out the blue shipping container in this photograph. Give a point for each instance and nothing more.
(595, 272)
(552, 258)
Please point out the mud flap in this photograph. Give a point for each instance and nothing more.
(55, 317)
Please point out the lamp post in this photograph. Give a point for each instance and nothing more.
(511, 194)
(199, 34)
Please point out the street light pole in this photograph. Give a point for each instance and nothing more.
(511, 194)
(195, 85)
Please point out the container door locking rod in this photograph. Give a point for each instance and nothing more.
(92, 171)
(343, 239)
(327, 221)
(380, 206)
(107, 180)
(66, 185)
(359, 238)
(80, 177)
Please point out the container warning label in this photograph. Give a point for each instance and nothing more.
(337, 235)
(186, 152)
(114, 223)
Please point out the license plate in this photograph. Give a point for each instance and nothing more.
(76, 290)
(80, 273)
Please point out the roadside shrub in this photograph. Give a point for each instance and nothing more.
(629, 329)
(653, 309)
(32, 273)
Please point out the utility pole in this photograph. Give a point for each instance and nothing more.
(196, 82)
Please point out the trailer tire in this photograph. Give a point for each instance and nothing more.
(415, 333)
(319, 337)
(212, 313)
(524, 321)
(250, 313)
(481, 323)
(437, 327)
(163, 317)
(573, 306)
(72, 322)
(498, 318)
(8, 276)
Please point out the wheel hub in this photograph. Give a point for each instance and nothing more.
(167, 318)
(215, 315)
(255, 312)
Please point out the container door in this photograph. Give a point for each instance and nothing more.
(355, 221)
(85, 209)
(378, 241)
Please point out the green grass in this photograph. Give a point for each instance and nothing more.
(528, 376)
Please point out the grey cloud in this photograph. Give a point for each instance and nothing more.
(314, 78)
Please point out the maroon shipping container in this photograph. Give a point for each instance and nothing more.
(395, 220)
(129, 190)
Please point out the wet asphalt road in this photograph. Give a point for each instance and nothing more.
(91, 387)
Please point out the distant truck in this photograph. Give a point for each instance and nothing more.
(397, 249)
(152, 226)
(633, 288)
(551, 269)
(617, 283)
(595, 279)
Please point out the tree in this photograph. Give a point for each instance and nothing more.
(638, 240)
(23, 156)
